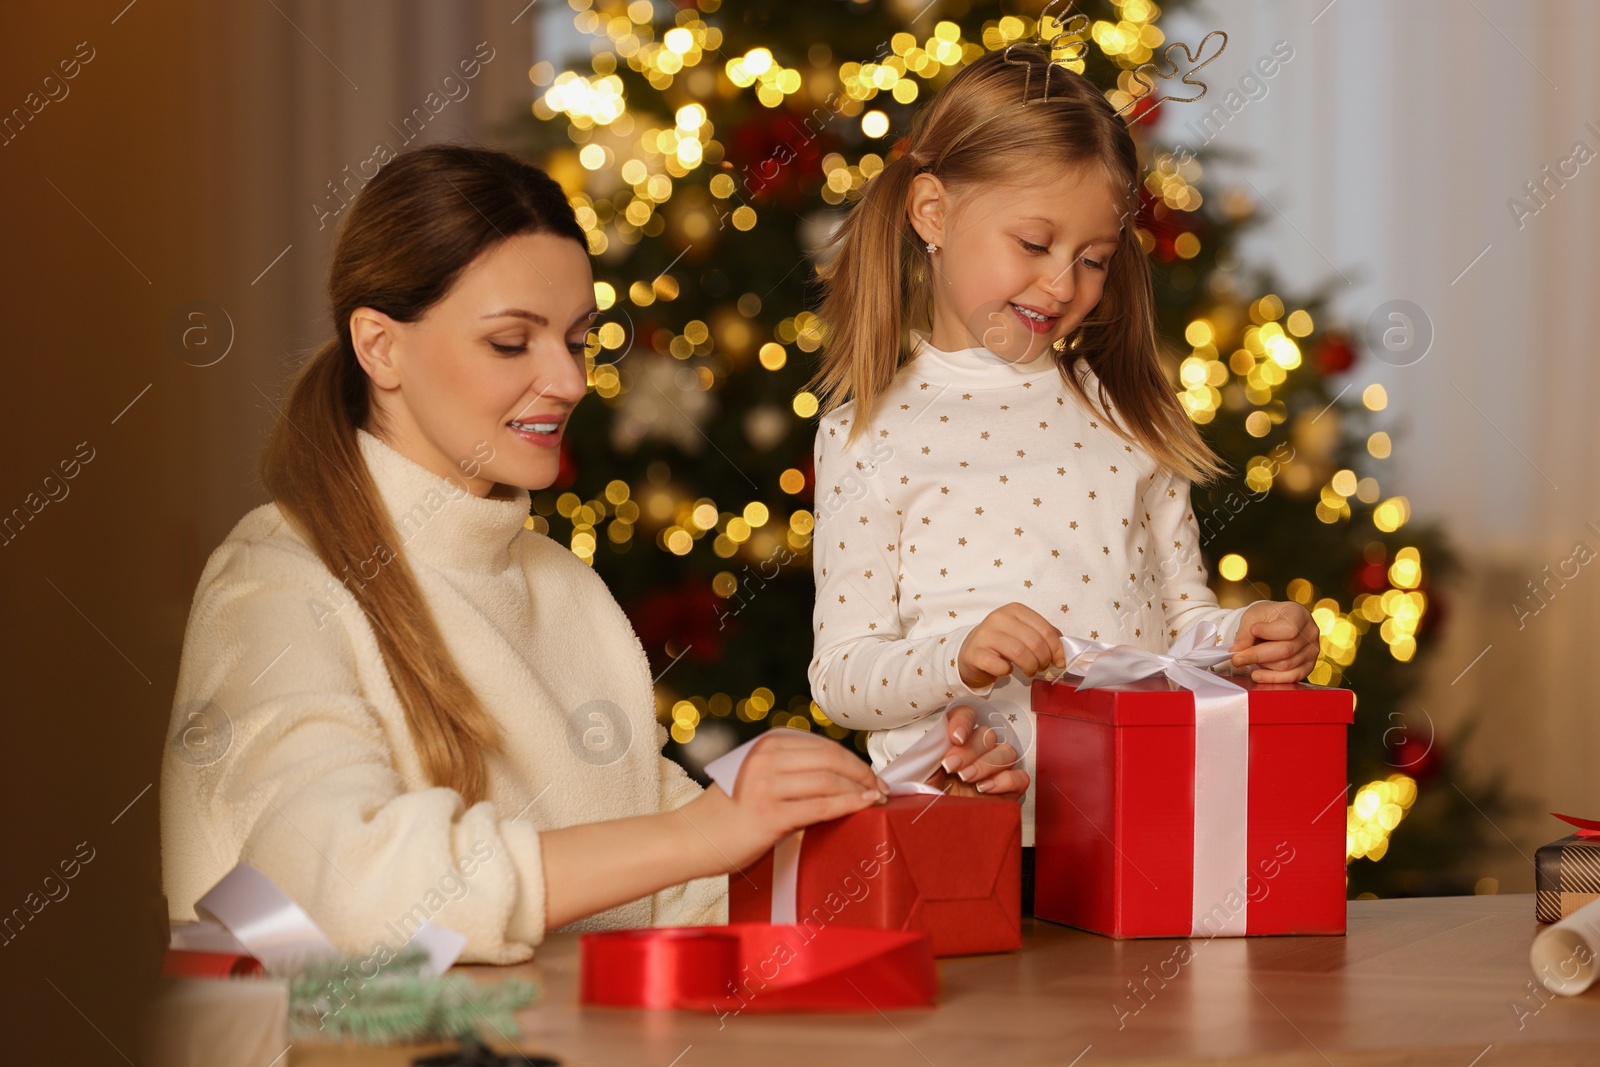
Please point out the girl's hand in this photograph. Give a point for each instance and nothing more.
(1280, 637)
(1011, 636)
(976, 765)
(787, 782)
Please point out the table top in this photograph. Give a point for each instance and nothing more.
(1440, 980)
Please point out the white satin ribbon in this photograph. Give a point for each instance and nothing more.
(1221, 759)
(905, 775)
(278, 932)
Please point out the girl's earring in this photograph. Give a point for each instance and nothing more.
(932, 248)
(1061, 344)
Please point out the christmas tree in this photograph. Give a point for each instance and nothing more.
(710, 149)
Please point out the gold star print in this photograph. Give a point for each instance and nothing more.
(1091, 494)
(1172, 492)
(1005, 407)
(1124, 522)
(885, 433)
(977, 511)
(1113, 468)
(926, 521)
(1093, 425)
(1172, 633)
(1004, 479)
(943, 571)
(997, 563)
(1020, 453)
(924, 385)
(1085, 579)
(841, 598)
(1027, 583)
(1176, 544)
(1061, 470)
(904, 479)
(945, 489)
(832, 432)
(913, 703)
(866, 574)
(961, 540)
(886, 681)
(1044, 426)
(1073, 524)
(1105, 549)
(966, 396)
(919, 670)
(1055, 552)
(1126, 448)
(1183, 596)
(863, 520)
(952, 614)
(903, 407)
(1116, 605)
(984, 435)
(1077, 444)
(872, 626)
(1136, 631)
(1017, 530)
(944, 418)
(841, 544)
(1036, 502)
(1059, 401)
(1094, 635)
(852, 689)
(836, 489)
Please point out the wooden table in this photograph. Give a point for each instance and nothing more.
(1440, 980)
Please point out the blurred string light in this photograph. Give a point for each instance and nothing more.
(1373, 815)
(683, 715)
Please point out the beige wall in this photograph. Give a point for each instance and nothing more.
(184, 158)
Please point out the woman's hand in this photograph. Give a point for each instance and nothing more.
(1011, 635)
(787, 782)
(977, 764)
(1280, 637)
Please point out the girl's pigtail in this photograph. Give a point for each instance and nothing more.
(879, 259)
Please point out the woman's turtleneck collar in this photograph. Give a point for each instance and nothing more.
(973, 366)
(439, 522)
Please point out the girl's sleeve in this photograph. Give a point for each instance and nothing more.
(865, 673)
(703, 901)
(1186, 598)
(307, 789)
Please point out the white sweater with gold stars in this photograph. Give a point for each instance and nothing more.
(980, 483)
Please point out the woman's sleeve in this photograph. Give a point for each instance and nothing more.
(865, 674)
(308, 791)
(702, 901)
(1186, 598)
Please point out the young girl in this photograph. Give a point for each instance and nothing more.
(395, 700)
(1001, 459)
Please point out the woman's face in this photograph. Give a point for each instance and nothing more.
(478, 390)
(1020, 265)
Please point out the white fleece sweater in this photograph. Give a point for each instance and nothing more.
(306, 768)
(979, 483)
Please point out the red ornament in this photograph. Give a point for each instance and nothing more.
(1335, 354)
(689, 615)
(776, 157)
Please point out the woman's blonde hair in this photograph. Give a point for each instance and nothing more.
(412, 230)
(992, 123)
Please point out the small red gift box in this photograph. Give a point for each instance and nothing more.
(1115, 806)
(948, 866)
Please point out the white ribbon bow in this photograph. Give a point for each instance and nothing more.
(1221, 758)
(905, 775)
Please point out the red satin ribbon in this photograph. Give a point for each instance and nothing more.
(190, 963)
(758, 967)
(1586, 827)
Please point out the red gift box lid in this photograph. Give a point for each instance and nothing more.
(1159, 701)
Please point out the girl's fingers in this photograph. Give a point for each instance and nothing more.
(960, 723)
(1012, 783)
(821, 809)
(994, 762)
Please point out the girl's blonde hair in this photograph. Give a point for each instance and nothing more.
(992, 123)
(413, 229)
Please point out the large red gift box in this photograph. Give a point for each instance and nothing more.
(1114, 825)
(948, 866)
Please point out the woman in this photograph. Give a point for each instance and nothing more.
(414, 708)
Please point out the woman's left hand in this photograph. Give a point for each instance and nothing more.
(977, 764)
(1280, 638)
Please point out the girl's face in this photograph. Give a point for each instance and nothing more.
(478, 390)
(1019, 265)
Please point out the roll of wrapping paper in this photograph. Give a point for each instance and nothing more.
(757, 967)
(1564, 954)
(188, 963)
